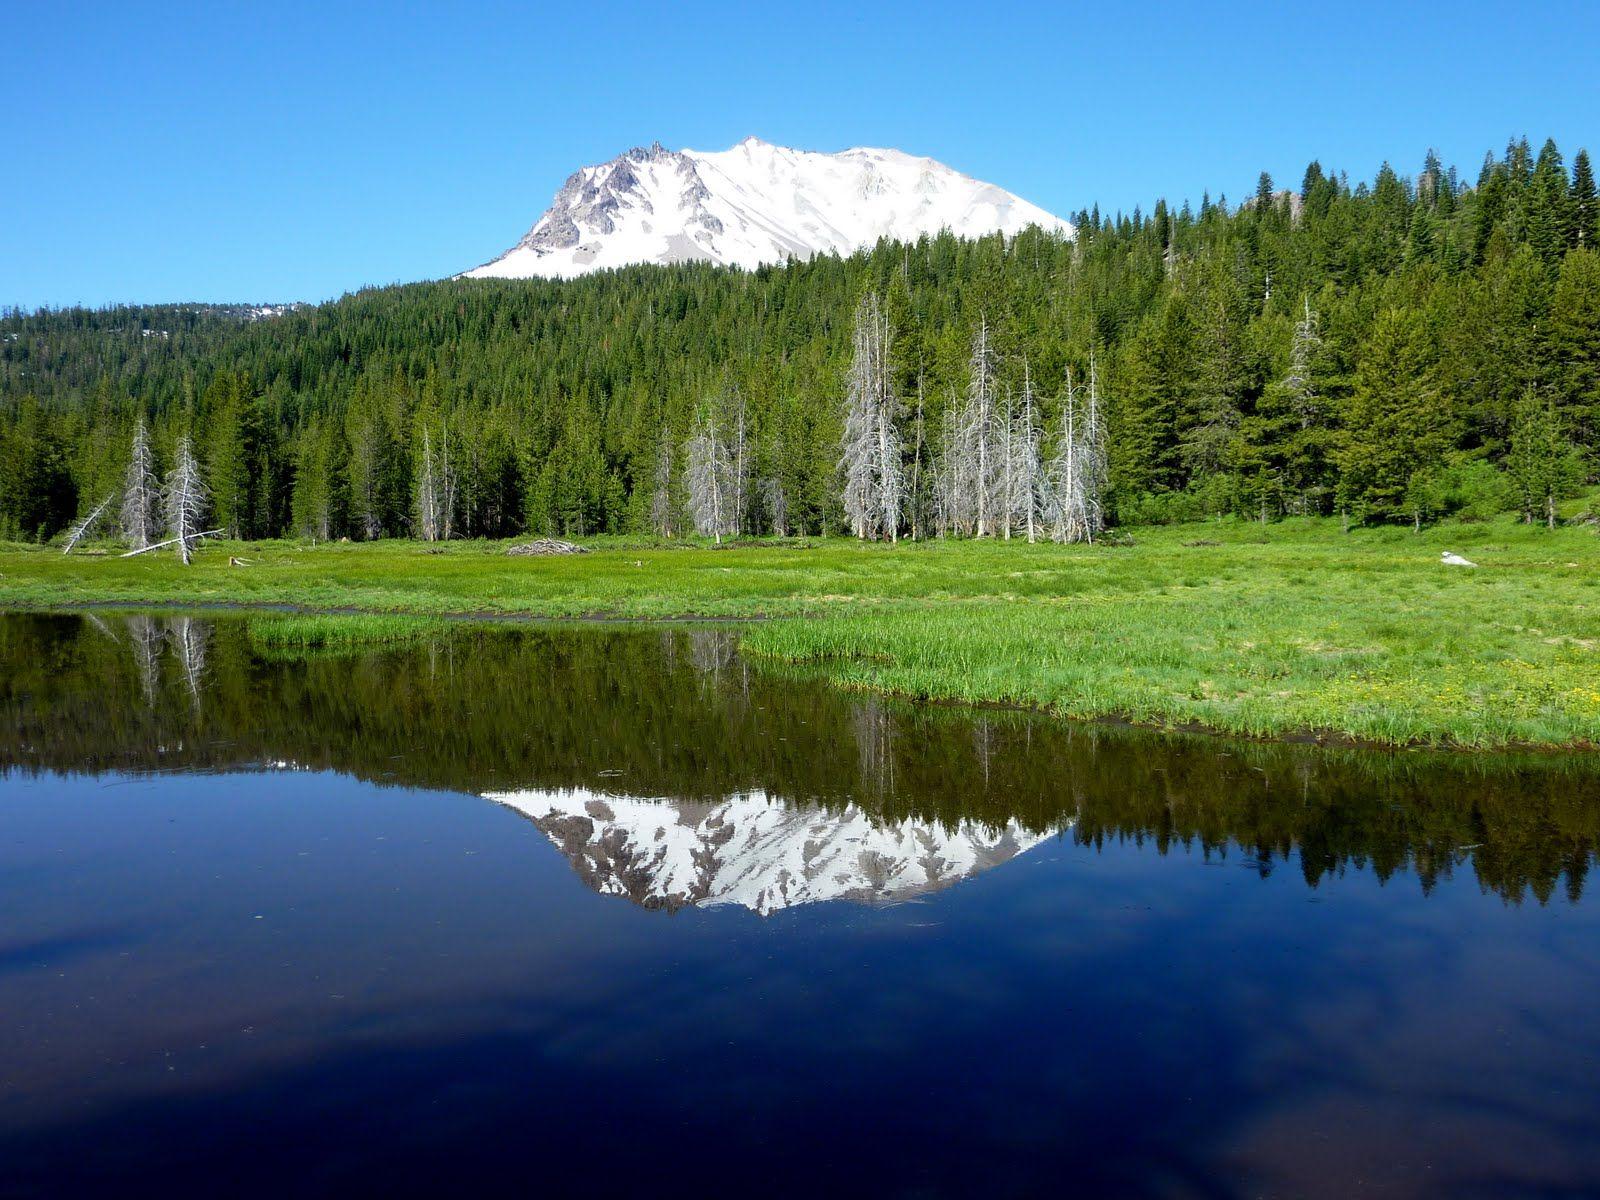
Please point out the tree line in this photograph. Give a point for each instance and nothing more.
(1405, 349)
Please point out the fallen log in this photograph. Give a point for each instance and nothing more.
(170, 542)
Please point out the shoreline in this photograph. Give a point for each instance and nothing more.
(1296, 632)
(1320, 738)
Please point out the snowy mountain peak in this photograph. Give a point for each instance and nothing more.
(752, 204)
(757, 852)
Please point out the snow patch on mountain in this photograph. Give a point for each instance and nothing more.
(756, 203)
(758, 852)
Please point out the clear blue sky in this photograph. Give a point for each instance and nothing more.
(282, 151)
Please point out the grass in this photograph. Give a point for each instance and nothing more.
(302, 631)
(1260, 630)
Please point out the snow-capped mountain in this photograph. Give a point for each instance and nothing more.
(756, 203)
(757, 851)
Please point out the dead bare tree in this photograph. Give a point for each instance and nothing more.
(140, 492)
(871, 453)
(1078, 471)
(448, 484)
(81, 530)
(427, 494)
(1024, 490)
(708, 477)
(429, 498)
(184, 501)
(973, 467)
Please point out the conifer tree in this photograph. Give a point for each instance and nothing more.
(1543, 462)
(1583, 206)
(1574, 346)
(1395, 426)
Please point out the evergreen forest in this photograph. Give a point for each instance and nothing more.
(1406, 349)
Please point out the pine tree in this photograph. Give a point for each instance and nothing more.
(1395, 425)
(1543, 462)
(1549, 219)
(37, 496)
(1583, 208)
(233, 454)
(1574, 345)
(311, 504)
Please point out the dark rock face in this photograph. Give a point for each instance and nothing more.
(589, 201)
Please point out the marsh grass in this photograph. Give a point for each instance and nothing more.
(321, 631)
(1260, 630)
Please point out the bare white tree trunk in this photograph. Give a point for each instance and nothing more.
(1078, 472)
(79, 531)
(708, 479)
(447, 485)
(140, 492)
(427, 492)
(980, 425)
(1026, 484)
(975, 481)
(1007, 508)
(870, 458)
(185, 501)
(1097, 466)
(919, 448)
(739, 462)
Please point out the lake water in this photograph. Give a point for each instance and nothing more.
(611, 911)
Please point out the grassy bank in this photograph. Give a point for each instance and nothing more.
(1234, 626)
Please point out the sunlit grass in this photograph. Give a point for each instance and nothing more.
(1253, 629)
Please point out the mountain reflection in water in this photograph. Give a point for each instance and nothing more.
(759, 852)
(925, 796)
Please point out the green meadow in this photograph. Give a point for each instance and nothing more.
(1265, 630)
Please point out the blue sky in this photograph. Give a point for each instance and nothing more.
(287, 151)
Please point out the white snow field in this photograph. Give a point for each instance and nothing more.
(756, 203)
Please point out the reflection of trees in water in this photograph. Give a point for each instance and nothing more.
(677, 713)
(711, 649)
(188, 638)
(145, 636)
(982, 743)
(874, 734)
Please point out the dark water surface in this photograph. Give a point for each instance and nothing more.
(610, 912)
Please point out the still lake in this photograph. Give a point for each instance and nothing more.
(613, 911)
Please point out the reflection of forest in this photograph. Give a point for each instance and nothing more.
(675, 712)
